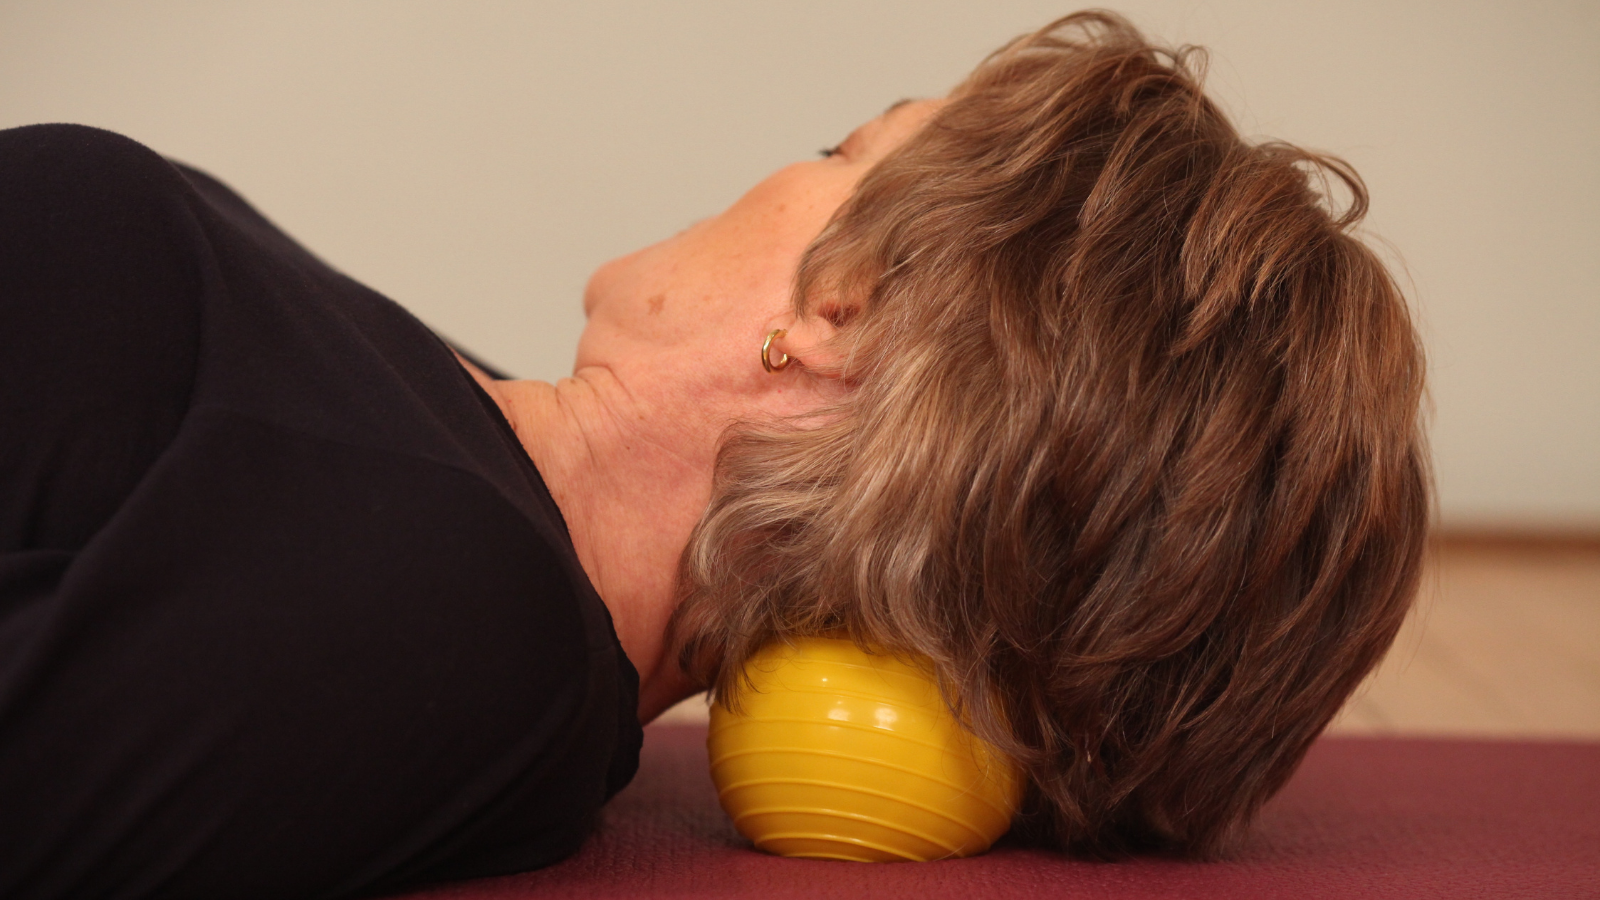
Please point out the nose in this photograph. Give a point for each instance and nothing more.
(692, 226)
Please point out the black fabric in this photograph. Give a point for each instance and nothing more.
(285, 609)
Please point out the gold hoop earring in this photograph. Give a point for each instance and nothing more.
(766, 352)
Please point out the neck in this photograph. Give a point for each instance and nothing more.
(630, 500)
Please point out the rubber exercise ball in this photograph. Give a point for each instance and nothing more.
(841, 754)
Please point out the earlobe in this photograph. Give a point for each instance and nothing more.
(809, 341)
(770, 362)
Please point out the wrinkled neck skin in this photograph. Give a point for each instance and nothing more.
(631, 488)
(667, 362)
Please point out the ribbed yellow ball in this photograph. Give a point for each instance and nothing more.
(841, 754)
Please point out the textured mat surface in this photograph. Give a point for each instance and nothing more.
(1364, 818)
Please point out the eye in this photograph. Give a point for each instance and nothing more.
(826, 152)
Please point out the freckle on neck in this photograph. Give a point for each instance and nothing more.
(656, 303)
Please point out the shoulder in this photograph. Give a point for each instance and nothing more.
(74, 147)
(65, 137)
(84, 211)
(81, 195)
(53, 158)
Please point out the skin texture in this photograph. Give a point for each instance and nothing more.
(669, 359)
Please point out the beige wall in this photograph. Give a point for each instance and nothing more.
(476, 160)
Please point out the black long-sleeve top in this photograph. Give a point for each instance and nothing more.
(285, 608)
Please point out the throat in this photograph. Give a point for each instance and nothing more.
(630, 504)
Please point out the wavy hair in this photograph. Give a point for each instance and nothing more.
(1132, 452)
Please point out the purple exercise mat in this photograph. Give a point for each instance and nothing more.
(1363, 818)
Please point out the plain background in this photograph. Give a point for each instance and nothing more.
(476, 160)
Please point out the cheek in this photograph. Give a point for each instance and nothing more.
(792, 206)
(639, 283)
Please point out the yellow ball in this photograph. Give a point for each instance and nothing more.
(840, 754)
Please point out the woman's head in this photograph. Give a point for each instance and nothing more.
(1130, 447)
(686, 315)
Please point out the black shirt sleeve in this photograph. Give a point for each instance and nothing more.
(284, 608)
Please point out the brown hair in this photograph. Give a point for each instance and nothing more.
(1132, 455)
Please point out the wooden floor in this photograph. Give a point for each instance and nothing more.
(1504, 642)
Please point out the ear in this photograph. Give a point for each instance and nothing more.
(813, 341)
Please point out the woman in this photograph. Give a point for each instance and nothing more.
(1057, 382)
